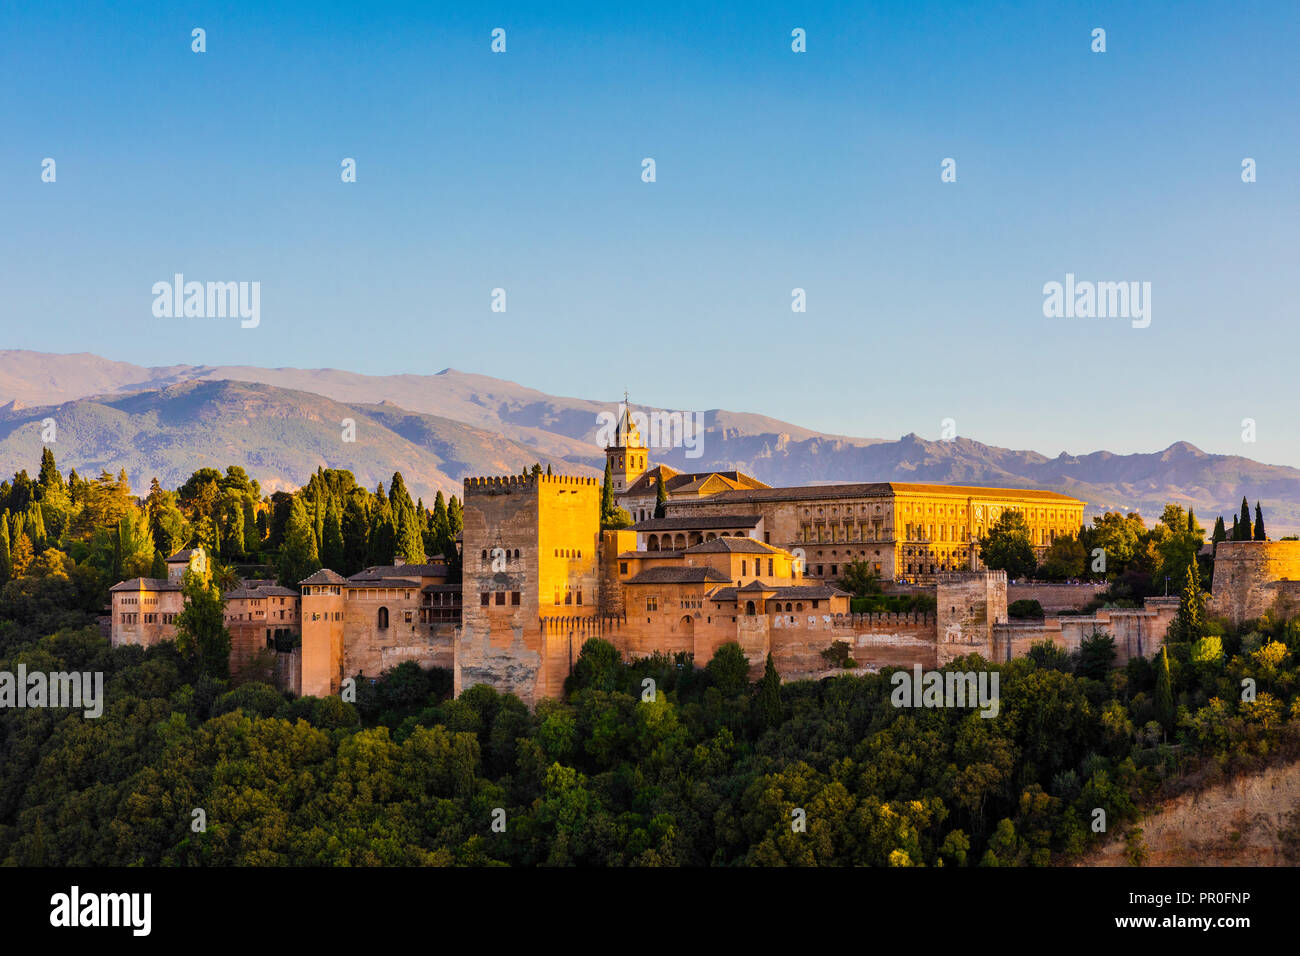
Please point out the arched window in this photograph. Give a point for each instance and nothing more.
(383, 618)
(749, 608)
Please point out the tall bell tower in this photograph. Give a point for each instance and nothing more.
(627, 454)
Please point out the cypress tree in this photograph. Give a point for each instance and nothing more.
(607, 493)
(1245, 521)
(1164, 692)
(439, 526)
(1219, 533)
(455, 516)
(6, 563)
(201, 633)
(356, 536)
(332, 550)
(1236, 529)
(410, 542)
(769, 696)
(548, 467)
(1259, 524)
(383, 531)
(21, 555)
(252, 534)
(661, 496)
(318, 518)
(1188, 624)
(298, 555)
(50, 477)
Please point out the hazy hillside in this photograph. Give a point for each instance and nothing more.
(279, 435)
(440, 428)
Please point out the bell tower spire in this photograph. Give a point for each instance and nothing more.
(627, 452)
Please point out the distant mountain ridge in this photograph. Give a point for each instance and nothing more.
(281, 424)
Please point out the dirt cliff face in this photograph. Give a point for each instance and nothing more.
(1248, 821)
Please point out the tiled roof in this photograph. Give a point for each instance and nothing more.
(181, 556)
(432, 569)
(679, 576)
(147, 584)
(651, 554)
(677, 482)
(733, 545)
(883, 489)
(697, 523)
(810, 593)
(260, 592)
(324, 576)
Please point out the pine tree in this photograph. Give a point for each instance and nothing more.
(769, 696)
(1244, 525)
(1259, 524)
(299, 558)
(537, 469)
(332, 550)
(661, 497)
(1164, 702)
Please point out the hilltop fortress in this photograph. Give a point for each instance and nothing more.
(729, 559)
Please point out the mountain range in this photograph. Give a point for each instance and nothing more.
(281, 424)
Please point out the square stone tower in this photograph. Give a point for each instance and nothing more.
(530, 581)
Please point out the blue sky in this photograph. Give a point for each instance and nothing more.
(775, 170)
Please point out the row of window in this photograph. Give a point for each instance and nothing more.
(485, 598)
(150, 617)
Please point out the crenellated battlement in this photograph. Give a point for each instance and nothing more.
(963, 577)
(504, 484)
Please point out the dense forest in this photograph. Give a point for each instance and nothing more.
(705, 769)
(69, 540)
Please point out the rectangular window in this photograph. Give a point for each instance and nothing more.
(514, 598)
(483, 598)
(622, 567)
(579, 600)
(652, 604)
(501, 598)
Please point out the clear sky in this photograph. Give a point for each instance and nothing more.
(775, 170)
